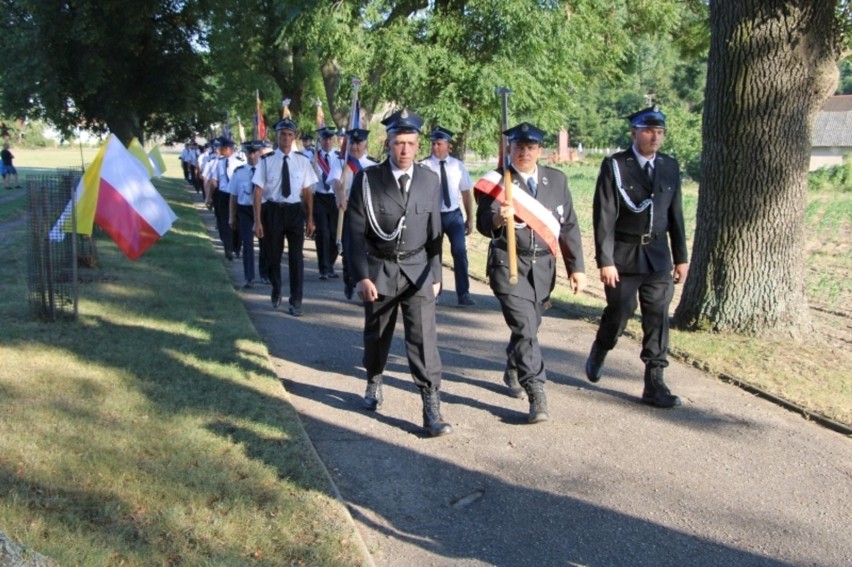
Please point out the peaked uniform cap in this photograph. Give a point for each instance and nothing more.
(306, 136)
(357, 134)
(650, 117)
(253, 146)
(326, 132)
(403, 121)
(227, 143)
(524, 132)
(439, 133)
(285, 124)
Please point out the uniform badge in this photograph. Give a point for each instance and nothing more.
(544, 180)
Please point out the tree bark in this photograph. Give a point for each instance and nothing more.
(772, 63)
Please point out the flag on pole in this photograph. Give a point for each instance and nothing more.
(285, 108)
(157, 161)
(117, 193)
(135, 148)
(259, 123)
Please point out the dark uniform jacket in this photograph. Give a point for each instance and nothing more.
(536, 265)
(416, 252)
(619, 231)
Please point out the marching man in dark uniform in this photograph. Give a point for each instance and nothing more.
(325, 207)
(392, 244)
(283, 209)
(637, 210)
(549, 225)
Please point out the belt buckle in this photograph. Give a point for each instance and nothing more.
(646, 239)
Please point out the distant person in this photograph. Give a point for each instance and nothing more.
(325, 207)
(241, 190)
(637, 211)
(8, 169)
(455, 193)
(283, 211)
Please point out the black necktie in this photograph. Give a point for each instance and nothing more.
(403, 181)
(445, 187)
(649, 170)
(285, 178)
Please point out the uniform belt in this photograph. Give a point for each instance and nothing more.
(526, 252)
(282, 205)
(642, 239)
(456, 210)
(395, 256)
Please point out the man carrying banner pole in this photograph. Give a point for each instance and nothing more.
(545, 224)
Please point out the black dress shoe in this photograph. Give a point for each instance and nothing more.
(276, 301)
(295, 311)
(332, 275)
(323, 277)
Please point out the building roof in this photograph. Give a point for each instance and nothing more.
(833, 124)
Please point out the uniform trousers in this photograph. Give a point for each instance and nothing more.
(245, 220)
(325, 235)
(280, 221)
(523, 353)
(222, 210)
(452, 223)
(655, 291)
(421, 334)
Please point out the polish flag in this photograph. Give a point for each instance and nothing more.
(116, 192)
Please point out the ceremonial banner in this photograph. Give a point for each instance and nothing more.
(533, 213)
(259, 124)
(116, 192)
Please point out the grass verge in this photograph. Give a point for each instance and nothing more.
(153, 430)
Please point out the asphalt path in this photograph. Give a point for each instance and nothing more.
(727, 479)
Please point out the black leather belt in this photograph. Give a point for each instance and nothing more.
(526, 252)
(642, 239)
(396, 256)
(282, 205)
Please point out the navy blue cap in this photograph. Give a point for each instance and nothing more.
(439, 133)
(524, 132)
(326, 132)
(403, 121)
(358, 134)
(306, 136)
(253, 146)
(227, 143)
(216, 142)
(285, 124)
(650, 117)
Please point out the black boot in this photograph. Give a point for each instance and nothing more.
(432, 419)
(373, 396)
(538, 402)
(510, 378)
(656, 392)
(594, 364)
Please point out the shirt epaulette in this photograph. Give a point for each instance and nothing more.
(266, 155)
(239, 167)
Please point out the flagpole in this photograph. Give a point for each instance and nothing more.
(511, 245)
(344, 178)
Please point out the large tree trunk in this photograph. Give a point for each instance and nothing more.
(772, 64)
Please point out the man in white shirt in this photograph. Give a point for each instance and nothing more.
(455, 193)
(283, 208)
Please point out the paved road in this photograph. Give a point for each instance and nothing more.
(728, 479)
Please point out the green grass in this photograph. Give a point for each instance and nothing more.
(153, 430)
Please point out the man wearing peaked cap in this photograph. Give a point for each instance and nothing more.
(220, 199)
(455, 192)
(392, 248)
(548, 223)
(241, 191)
(637, 211)
(325, 206)
(283, 210)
